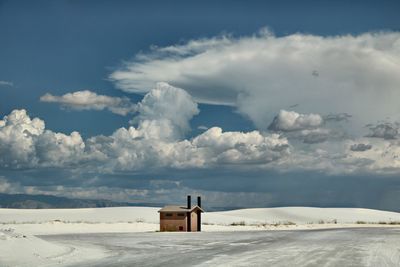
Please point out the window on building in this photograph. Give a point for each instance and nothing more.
(168, 214)
(181, 214)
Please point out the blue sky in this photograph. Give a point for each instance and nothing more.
(295, 112)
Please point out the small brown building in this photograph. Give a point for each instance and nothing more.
(181, 218)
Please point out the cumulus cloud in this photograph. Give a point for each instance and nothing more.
(237, 147)
(262, 73)
(309, 128)
(88, 100)
(360, 147)
(126, 150)
(167, 110)
(382, 157)
(17, 133)
(293, 121)
(384, 130)
(156, 142)
(24, 142)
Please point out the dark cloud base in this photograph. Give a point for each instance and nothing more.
(223, 190)
(312, 189)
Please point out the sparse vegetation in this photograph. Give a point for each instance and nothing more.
(241, 223)
(287, 223)
(334, 221)
(276, 224)
(380, 222)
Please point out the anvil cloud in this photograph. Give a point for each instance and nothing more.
(264, 73)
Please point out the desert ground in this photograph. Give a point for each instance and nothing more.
(292, 236)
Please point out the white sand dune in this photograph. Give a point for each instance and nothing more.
(88, 215)
(18, 249)
(145, 219)
(19, 245)
(302, 215)
(298, 215)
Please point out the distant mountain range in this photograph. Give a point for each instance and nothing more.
(25, 201)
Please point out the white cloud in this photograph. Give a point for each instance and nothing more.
(263, 73)
(24, 142)
(202, 127)
(88, 100)
(166, 110)
(125, 150)
(6, 83)
(309, 128)
(239, 148)
(153, 144)
(58, 149)
(163, 117)
(344, 157)
(17, 144)
(383, 156)
(293, 121)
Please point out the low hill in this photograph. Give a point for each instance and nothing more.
(26, 201)
(297, 215)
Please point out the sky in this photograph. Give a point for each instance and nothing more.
(248, 104)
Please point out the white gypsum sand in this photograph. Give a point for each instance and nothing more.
(144, 219)
(20, 246)
(18, 249)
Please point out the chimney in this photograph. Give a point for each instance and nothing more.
(199, 214)
(189, 202)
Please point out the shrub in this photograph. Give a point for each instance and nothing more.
(241, 223)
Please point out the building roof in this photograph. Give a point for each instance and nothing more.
(177, 208)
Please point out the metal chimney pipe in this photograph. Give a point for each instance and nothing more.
(189, 215)
(199, 214)
(189, 202)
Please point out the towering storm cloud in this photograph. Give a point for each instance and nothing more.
(166, 110)
(264, 73)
